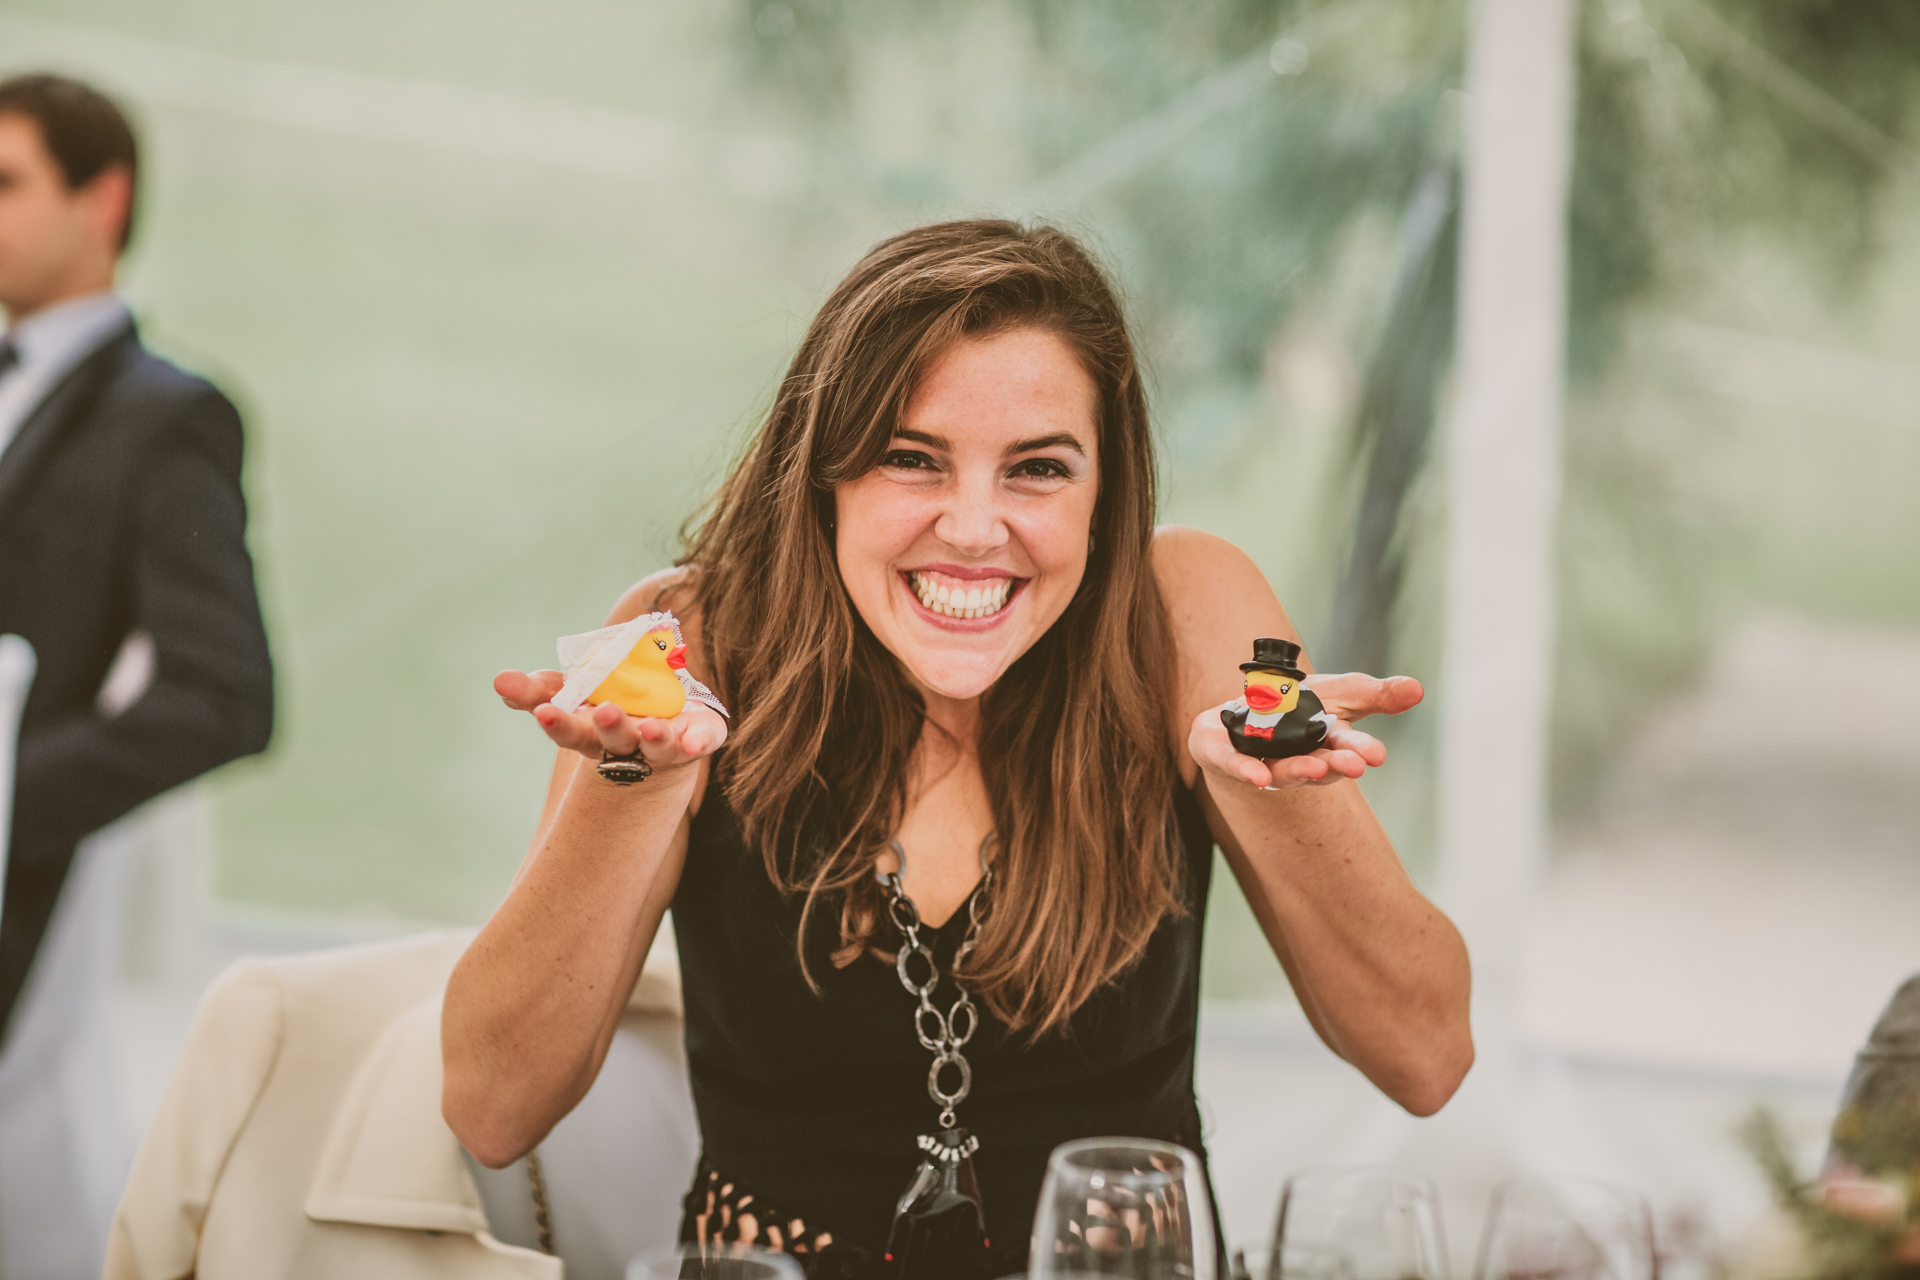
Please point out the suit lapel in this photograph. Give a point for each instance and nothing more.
(35, 439)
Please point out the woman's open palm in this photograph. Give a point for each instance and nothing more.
(1347, 753)
(696, 732)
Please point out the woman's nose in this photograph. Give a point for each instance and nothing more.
(971, 522)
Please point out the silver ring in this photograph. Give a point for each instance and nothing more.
(623, 771)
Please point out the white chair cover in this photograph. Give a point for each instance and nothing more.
(63, 1143)
(16, 677)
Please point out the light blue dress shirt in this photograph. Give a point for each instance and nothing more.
(50, 343)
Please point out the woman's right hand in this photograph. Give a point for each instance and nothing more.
(686, 738)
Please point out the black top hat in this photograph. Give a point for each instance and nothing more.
(1275, 655)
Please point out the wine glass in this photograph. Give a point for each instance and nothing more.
(1551, 1228)
(1124, 1207)
(1367, 1223)
(714, 1262)
(1302, 1263)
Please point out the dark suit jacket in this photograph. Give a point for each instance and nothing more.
(120, 510)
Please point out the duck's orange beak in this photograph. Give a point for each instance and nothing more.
(677, 657)
(1262, 697)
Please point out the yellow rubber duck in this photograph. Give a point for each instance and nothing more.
(647, 681)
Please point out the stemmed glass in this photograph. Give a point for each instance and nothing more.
(714, 1262)
(1124, 1207)
(1548, 1228)
(1369, 1223)
(1303, 1264)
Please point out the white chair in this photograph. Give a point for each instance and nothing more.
(63, 1147)
(301, 1136)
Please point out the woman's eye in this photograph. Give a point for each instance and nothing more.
(907, 460)
(1042, 469)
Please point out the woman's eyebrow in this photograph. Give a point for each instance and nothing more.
(1059, 439)
(925, 438)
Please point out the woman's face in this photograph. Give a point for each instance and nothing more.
(969, 539)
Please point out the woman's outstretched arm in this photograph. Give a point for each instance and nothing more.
(1381, 973)
(532, 1007)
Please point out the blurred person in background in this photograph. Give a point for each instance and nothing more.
(122, 525)
(975, 693)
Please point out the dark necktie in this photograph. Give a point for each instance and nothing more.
(9, 356)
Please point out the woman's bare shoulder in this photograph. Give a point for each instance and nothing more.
(1210, 585)
(1193, 566)
(1218, 602)
(668, 589)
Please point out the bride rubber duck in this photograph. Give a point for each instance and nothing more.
(641, 666)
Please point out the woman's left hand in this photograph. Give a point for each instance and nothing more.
(1348, 753)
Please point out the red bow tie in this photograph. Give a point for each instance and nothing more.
(1256, 731)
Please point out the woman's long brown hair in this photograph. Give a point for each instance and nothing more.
(1073, 738)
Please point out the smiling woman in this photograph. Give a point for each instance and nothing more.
(968, 411)
(977, 757)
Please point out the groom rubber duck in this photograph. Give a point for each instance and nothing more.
(1276, 716)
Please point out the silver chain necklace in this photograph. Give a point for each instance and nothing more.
(938, 1221)
(950, 1030)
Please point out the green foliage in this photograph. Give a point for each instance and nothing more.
(1222, 228)
(1699, 120)
(1691, 133)
(1638, 559)
(1612, 256)
(1835, 1245)
(1783, 168)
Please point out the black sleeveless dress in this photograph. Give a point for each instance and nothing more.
(809, 1104)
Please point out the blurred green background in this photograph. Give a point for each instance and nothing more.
(501, 288)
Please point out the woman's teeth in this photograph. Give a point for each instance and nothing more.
(956, 598)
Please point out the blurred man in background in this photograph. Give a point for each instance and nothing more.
(123, 557)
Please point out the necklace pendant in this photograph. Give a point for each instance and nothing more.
(939, 1231)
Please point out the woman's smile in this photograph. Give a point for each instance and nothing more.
(969, 539)
(961, 599)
